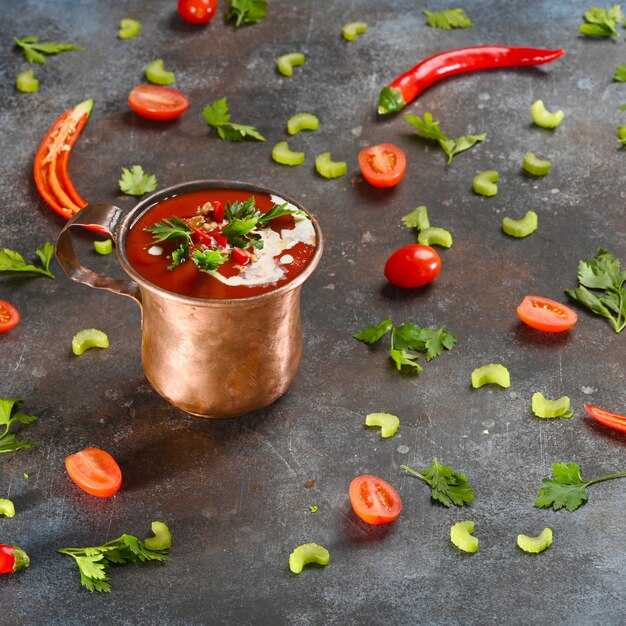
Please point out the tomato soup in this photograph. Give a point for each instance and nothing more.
(221, 243)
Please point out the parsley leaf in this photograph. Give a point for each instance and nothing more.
(603, 273)
(135, 182)
(10, 415)
(218, 116)
(94, 562)
(601, 22)
(448, 487)
(374, 333)
(179, 255)
(169, 229)
(246, 11)
(620, 74)
(428, 128)
(567, 488)
(34, 51)
(448, 19)
(11, 261)
(208, 260)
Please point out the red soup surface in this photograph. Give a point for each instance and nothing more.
(221, 243)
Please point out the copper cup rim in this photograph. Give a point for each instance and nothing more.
(195, 185)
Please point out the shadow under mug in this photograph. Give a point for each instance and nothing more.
(212, 358)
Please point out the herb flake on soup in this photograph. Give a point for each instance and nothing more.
(221, 243)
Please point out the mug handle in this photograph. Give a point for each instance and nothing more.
(104, 218)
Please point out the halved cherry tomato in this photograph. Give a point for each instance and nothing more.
(382, 165)
(612, 420)
(374, 500)
(197, 11)
(9, 316)
(157, 103)
(412, 266)
(95, 471)
(545, 314)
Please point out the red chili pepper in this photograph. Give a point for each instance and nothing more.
(407, 87)
(12, 559)
(50, 167)
(612, 420)
(240, 257)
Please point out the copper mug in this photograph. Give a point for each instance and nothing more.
(213, 358)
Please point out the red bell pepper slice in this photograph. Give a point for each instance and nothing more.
(240, 257)
(612, 420)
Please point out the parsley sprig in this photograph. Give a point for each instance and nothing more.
(407, 341)
(447, 486)
(567, 488)
(135, 182)
(246, 11)
(11, 261)
(601, 22)
(34, 51)
(9, 416)
(428, 128)
(602, 273)
(447, 19)
(217, 115)
(95, 562)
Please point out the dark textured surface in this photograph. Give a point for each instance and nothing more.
(234, 492)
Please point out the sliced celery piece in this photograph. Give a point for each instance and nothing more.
(544, 118)
(302, 121)
(388, 423)
(89, 338)
(328, 168)
(485, 183)
(492, 373)
(287, 62)
(435, 236)
(546, 409)
(283, 155)
(27, 82)
(536, 544)
(103, 247)
(308, 553)
(162, 539)
(7, 508)
(129, 28)
(621, 134)
(351, 30)
(536, 166)
(520, 228)
(461, 536)
(157, 74)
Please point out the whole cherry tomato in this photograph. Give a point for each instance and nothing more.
(197, 11)
(412, 266)
(545, 314)
(374, 500)
(382, 165)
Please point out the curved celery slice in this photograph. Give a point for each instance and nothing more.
(129, 28)
(162, 539)
(492, 373)
(536, 544)
(485, 183)
(328, 168)
(308, 553)
(103, 247)
(388, 423)
(157, 74)
(89, 338)
(287, 62)
(544, 118)
(7, 508)
(546, 409)
(302, 121)
(283, 155)
(536, 166)
(461, 536)
(351, 30)
(433, 235)
(621, 134)
(27, 82)
(520, 228)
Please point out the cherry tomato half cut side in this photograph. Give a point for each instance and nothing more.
(197, 11)
(9, 316)
(374, 500)
(94, 471)
(157, 103)
(412, 266)
(382, 165)
(612, 420)
(546, 315)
